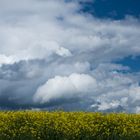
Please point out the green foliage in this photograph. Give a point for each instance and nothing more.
(28, 125)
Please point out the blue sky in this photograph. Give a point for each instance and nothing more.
(70, 54)
(132, 62)
(115, 9)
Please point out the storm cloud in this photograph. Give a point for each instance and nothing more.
(54, 55)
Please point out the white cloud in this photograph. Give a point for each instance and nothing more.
(37, 29)
(5, 60)
(59, 87)
(111, 105)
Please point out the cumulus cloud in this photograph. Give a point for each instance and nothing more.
(59, 87)
(52, 52)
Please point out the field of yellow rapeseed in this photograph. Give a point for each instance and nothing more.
(29, 125)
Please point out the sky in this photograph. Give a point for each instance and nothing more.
(76, 55)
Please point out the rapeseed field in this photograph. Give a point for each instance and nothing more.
(31, 125)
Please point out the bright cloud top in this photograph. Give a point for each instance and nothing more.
(66, 87)
(50, 50)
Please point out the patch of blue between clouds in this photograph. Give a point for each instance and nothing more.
(132, 62)
(114, 9)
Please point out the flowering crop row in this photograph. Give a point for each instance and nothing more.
(28, 125)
